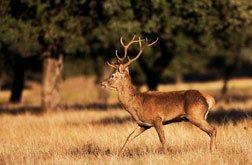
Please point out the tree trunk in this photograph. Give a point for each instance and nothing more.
(52, 68)
(228, 71)
(1, 81)
(153, 73)
(18, 82)
(152, 80)
(226, 78)
(178, 78)
(224, 87)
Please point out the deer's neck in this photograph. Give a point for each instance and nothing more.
(127, 94)
(129, 98)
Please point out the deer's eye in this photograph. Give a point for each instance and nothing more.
(112, 76)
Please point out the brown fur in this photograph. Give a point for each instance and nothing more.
(155, 109)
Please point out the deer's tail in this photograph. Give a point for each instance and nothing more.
(210, 102)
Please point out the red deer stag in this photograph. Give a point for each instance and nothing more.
(155, 109)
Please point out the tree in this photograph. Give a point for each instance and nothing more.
(18, 41)
(38, 29)
(187, 31)
(195, 29)
(230, 25)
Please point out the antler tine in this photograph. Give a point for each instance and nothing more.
(141, 50)
(125, 50)
(113, 66)
(117, 56)
(138, 55)
(125, 46)
(140, 42)
(133, 38)
(121, 40)
(152, 42)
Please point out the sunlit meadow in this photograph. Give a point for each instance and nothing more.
(82, 131)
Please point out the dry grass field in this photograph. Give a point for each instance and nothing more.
(82, 132)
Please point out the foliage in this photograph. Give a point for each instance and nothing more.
(189, 31)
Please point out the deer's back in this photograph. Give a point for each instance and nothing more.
(170, 105)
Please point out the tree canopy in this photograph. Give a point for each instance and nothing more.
(191, 32)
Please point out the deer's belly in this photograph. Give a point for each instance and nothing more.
(147, 116)
(167, 113)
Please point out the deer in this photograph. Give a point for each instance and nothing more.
(154, 108)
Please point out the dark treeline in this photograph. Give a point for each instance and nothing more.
(196, 38)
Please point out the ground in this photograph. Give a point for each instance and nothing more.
(84, 132)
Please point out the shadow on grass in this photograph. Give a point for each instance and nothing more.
(89, 149)
(92, 106)
(92, 149)
(112, 120)
(138, 151)
(17, 109)
(223, 116)
(132, 152)
(220, 116)
(233, 98)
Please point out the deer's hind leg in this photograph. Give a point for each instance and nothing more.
(201, 123)
(160, 131)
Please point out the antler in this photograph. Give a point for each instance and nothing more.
(125, 48)
(141, 50)
(112, 65)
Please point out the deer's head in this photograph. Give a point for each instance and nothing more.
(121, 73)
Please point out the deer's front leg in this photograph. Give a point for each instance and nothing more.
(159, 128)
(132, 136)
